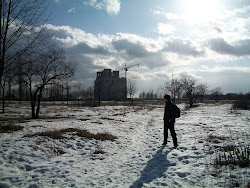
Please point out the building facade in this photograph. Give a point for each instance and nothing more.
(109, 86)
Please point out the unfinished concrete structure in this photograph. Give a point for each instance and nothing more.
(109, 86)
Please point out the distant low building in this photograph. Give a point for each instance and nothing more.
(109, 86)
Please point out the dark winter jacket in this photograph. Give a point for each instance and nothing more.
(169, 112)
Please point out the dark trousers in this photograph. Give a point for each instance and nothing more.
(170, 126)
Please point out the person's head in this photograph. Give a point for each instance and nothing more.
(167, 98)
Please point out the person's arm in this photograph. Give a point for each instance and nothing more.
(172, 117)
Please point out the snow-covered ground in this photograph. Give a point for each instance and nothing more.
(135, 159)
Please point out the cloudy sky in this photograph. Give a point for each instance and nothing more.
(206, 39)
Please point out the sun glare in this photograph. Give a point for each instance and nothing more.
(197, 11)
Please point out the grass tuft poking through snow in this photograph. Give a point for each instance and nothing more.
(235, 156)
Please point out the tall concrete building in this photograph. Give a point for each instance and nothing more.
(109, 86)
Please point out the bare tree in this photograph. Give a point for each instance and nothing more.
(9, 83)
(44, 68)
(173, 88)
(89, 93)
(142, 95)
(131, 89)
(202, 90)
(19, 79)
(150, 94)
(54, 91)
(20, 30)
(67, 87)
(6, 81)
(78, 91)
(216, 92)
(192, 89)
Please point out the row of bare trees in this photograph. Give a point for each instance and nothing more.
(150, 95)
(37, 71)
(185, 87)
(189, 88)
(42, 68)
(66, 90)
(27, 55)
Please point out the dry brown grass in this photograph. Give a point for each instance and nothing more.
(98, 151)
(97, 122)
(228, 148)
(216, 139)
(9, 128)
(18, 119)
(237, 155)
(119, 114)
(61, 134)
(53, 117)
(56, 134)
(84, 119)
(107, 118)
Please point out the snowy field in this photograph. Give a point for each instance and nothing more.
(135, 159)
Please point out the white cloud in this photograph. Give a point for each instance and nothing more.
(171, 16)
(165, 29)
(232, 25)
(167, 15)
(205, 67)
(111, 6)
(158, 57)
(72, 10)
(69, 36)
(157, 12)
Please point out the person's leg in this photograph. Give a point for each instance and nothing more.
(165, 131)
(173, 134)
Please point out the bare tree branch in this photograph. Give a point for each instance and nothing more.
(42, 69)
(21, 29)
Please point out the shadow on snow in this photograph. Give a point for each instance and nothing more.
(155, 168)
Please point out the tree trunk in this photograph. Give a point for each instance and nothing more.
(20, 94)
(20, 90)
(3, 105)
(3, 95)
(38, 104)
(99, 100)
(191, 102)
(33, 106)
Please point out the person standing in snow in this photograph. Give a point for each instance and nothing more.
(169, 120)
